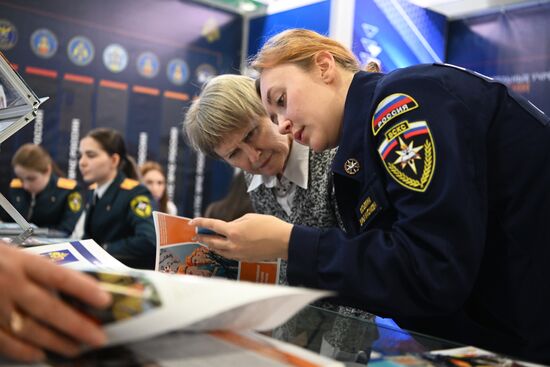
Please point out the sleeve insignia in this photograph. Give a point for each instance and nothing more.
(141, 206)
(408, 154)
(66, 183)
(391, 107)
(16, 183)
(128, 184)
(75, 202)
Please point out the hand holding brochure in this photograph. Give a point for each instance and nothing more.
(147, 303)
(178, 253)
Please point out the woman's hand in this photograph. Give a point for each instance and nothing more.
(253, 237)
(33, 318)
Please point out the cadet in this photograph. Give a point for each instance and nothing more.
(118, 211)
(442, 178)
(39, 194)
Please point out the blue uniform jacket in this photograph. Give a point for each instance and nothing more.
(443, 181)
(58, 206)
(122, 223)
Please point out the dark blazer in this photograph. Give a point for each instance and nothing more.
(122, 223)
(58, 206)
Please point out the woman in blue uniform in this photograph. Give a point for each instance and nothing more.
(118, 210)
(39, 194)
(441, 178)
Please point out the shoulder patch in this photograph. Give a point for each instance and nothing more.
(16, 183)
(66, 183)
(408, 153)
(141, 206)
(74, 200)
(391, 107)
(128, 184)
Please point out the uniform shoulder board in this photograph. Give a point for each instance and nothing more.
(16, 183)
(128, 184)
(66, 183)
(92, 186)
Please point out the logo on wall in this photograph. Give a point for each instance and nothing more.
(44, 43)
(8, 34)
(205, 72)
(115, 58)
(177, 71)
(80, 50)
(211, 30)
(148, 65)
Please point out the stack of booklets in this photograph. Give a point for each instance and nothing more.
(214, 317)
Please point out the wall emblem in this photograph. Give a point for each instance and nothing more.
(44, 43)
(115, 58)
(177, 71)
(8, 35)
(205, 72)
(148, 65)
(80, 50)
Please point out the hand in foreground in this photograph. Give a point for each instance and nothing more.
(33, 318)
(253, 237)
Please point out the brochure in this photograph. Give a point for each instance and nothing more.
(178, 253)
(148, 303)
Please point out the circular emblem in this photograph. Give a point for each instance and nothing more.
(177, 71)
(148, 65)
(8, 34)
(141, 206)
(44, 43)
(351, 166)
(75, 202)
(80, 50)
(115, 58)
(205, 72)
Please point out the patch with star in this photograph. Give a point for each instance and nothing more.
(75, 202)
(141, 206)
(408, 154)
(391, 107)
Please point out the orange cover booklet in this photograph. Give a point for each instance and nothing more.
(178, 253)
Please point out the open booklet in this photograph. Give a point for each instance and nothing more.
(148, 303)
(178, 253)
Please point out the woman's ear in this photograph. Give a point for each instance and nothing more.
(115, 159)
(326, 65)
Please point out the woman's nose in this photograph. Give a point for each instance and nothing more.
(285, 126)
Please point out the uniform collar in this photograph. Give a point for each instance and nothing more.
(356, 113)
(296, 169)
(111, 186)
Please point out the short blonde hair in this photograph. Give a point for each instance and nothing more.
(227, 103)
(299, 46)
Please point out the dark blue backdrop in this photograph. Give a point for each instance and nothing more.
(512, 45)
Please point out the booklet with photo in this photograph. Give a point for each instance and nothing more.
(147, 303)
(177, 253)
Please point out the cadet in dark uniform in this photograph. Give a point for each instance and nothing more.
(118, 211)
(442, 178)
(41, 196)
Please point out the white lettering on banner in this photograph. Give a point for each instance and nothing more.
(541, 76)
(38, 127)
(172, 163)
(73, 148)
(142, 148)
(199, 179)
(515, 78)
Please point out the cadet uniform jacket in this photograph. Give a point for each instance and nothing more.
(58, 206)
(122, 223)
(442, 178)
